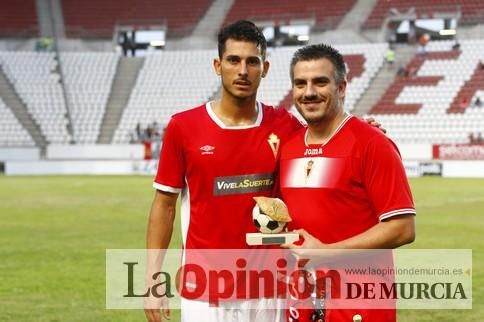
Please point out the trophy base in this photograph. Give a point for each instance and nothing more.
(253, 239)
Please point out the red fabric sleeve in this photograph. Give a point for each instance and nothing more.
(171, 167)
(385, 179)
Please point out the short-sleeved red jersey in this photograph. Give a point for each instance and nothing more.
(219, 169)
(344, 187)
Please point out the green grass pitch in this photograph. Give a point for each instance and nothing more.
(54, 232)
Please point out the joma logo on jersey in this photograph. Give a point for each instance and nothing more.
(243, 184)
(315, 151)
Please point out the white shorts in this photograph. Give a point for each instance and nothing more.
(260, 310)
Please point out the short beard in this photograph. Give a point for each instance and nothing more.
(316, 120)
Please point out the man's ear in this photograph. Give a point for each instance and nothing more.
(217, 65)
(265, 69)
(342, 89)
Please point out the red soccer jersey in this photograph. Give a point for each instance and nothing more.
(219, 169)
(344, 187)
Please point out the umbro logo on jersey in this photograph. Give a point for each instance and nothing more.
(207, 149)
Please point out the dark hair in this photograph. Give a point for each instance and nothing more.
(243, 30)
(319, 51)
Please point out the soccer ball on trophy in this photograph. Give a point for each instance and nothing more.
(265, 223)
(270, 216)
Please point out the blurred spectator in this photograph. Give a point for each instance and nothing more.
(125, 43)
(148, 133)
(479, 138)
(476, 138)
(472, 139)
(128, 43)
(138, 131)
(422, 44)
(402, 72)
(150, 136)
(478, 102)
(44, 44)
(456, 46)
(156, 129)
(390, 56)
(132, 43)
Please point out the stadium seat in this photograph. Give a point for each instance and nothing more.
(18, 18)
(88, 80)
(36, 81)
(471, 10)
(11, 131)
(98, 18)
(163, 88)
(326, 13)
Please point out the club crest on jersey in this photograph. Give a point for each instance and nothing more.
(308, 168)
(274, 143)
(207, 149)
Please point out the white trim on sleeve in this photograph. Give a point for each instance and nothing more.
(162, 187)
(397, 212)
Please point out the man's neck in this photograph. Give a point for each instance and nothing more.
(236, 112)
(321, 132)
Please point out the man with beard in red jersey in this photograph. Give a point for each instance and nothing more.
(342, 179)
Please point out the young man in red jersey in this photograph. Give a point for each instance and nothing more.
(211, 154)
(342, 179)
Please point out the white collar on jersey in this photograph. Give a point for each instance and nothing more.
(219, 122)
(340, 126)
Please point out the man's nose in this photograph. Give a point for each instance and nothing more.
(243, 69)
(309, 91)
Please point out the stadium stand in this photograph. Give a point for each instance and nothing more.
(88, 78)
(18, 18)
(168, 83)
(163, 88)
(36, 80)
(11, 131)
(472, 11)
(326, 13)
(97, 18)
(435, 103)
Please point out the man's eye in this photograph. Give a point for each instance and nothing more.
(253, 62)
(322, 82)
